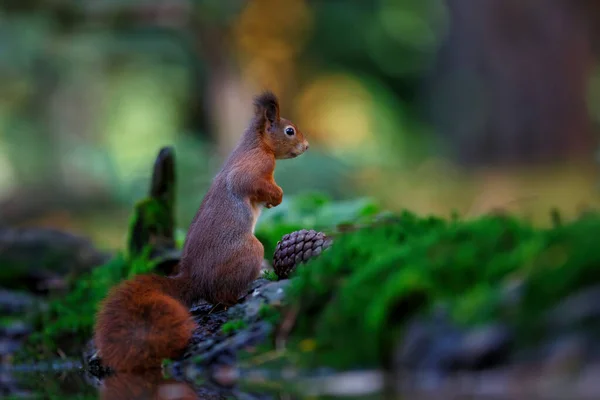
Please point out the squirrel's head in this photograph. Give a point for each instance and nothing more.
(281, 135)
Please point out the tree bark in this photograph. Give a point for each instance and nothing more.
(510, 83)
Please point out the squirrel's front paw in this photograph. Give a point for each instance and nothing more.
(276, 197)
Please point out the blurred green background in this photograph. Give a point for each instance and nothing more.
(432, 105)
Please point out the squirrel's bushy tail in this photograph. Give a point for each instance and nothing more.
(140, 324)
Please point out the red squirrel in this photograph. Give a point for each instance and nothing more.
(146, 319)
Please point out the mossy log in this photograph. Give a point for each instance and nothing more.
(153, 223)
(30, 258)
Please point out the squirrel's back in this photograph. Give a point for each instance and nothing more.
(141, 323)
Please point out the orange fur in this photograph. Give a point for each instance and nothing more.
(146, 319)
(141, 323)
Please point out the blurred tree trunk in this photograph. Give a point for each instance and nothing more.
(509, 86)
(226, 98)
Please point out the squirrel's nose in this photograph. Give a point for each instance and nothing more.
(306, 145)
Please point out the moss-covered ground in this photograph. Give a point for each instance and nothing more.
(353, 300)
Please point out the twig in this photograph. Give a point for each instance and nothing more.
(285, 327)
(61, 354)
(268, 356)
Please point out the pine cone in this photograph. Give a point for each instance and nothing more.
(296, 248)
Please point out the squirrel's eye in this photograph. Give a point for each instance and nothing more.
(289, 131)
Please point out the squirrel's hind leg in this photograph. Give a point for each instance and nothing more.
(236, 277)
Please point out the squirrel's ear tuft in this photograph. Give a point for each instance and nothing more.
(266, 105)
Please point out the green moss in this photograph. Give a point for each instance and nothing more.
(310, 211)
(6, 321)
(373, 280)
(233, 326)
(166, 365)
(270, 275)
(152, 224)
(68, 321)
(269, 313)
